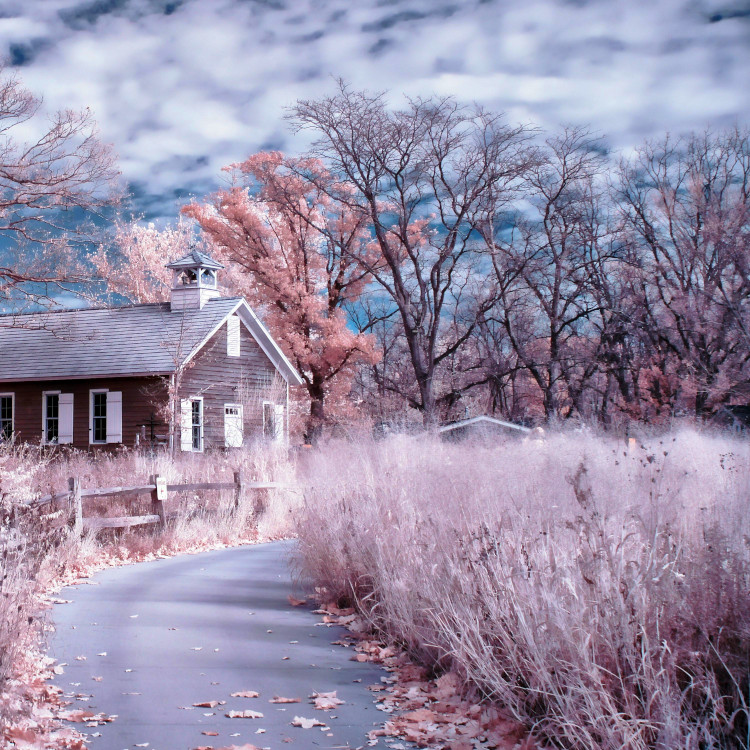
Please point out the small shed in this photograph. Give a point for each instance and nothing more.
(481, 427)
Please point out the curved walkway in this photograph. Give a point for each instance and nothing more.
(196, 628)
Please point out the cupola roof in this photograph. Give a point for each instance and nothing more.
(194, 259)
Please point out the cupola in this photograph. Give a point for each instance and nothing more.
(194, 281)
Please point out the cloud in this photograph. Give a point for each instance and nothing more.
(183, 87)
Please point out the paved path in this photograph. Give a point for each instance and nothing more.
(151, 618)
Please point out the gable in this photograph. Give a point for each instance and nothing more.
(263, 339)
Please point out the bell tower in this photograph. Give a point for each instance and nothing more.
(194, 281)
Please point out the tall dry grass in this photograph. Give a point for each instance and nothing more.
(601, 595)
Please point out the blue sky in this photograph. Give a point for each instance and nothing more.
(183, 87)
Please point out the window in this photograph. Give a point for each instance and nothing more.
(105, 416)
(233, 336)
(196, 424)
(191, 424)
(273, 421)
(233, 433)
(57, 418)
(98, 416)
(6, 416)
(51, 417)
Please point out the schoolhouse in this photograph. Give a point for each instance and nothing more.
(200, 371)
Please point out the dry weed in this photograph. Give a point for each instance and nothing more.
(601, 596)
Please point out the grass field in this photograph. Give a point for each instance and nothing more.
(600, 593)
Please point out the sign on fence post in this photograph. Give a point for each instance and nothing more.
(158, 496)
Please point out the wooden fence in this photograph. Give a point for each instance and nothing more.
(157, 487)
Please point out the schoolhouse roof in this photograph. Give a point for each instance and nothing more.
(128, 340)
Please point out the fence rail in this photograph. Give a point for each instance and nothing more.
(156, 487)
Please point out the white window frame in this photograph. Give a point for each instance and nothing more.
(192, 400)
(12, 413)
(91, 417)
(44, 416)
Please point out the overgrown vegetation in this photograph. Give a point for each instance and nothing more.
(600, 593)
(38, 549)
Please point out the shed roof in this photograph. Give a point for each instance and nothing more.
(482, 421)
(131, 340)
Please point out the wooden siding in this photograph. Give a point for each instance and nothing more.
(219, 379)
(140, 397)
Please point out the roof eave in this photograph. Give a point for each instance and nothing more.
(96, 376)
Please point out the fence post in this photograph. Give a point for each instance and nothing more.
(158, 496)
(238, 490)
(76, 507)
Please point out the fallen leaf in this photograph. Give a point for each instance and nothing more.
(280, 699)
(143, 744)
(206, 704)
(296, 602)
(326, 701)
(246, 694)
(244, 714)
(209, 733)
(77, 716)
(301, 721)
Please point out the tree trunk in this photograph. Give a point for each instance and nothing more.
(317, 418)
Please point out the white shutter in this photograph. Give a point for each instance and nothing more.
(233, 336)
(186, 425)
(65, 423)
(114, 416)
(278, 423)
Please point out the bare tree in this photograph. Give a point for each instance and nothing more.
(425, 176)
(542, 266)
(685, 205)
(50, 185)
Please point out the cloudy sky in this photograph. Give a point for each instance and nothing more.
(182, 87)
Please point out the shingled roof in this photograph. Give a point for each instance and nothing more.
(127, 340)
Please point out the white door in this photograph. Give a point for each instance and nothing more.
(233, 425)
(278, 424)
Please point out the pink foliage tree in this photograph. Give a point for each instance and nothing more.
(133, 264)
(297, 248)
